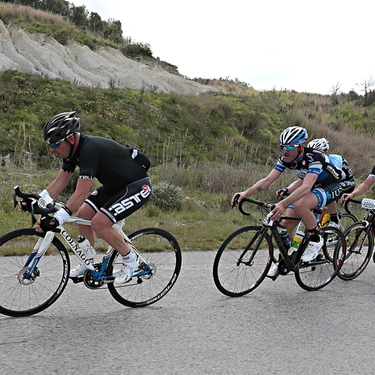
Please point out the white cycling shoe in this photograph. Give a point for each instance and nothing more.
(78, 270)
(312, 250)
(126, 272)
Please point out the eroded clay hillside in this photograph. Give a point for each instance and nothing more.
(42, 55)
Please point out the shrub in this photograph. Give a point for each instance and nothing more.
(167, 196)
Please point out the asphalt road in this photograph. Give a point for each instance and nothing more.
(277, 329)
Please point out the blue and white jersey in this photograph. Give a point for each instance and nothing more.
(315, 162)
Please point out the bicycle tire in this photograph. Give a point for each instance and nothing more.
(359, 249)
(23, 297)
(347, 220)
(162, 253)
(232, 273)
(321, 271)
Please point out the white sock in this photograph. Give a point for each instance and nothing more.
(129, 258)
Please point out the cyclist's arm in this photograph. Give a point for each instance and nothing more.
(59, 183)
(306, 185)
(360, 189)
(295, 185)
(82, 191)
(259, 186)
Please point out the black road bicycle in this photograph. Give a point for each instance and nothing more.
(34, 267)
(359, 242)
(245, 257)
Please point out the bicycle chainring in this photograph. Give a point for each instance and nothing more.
(89, 281)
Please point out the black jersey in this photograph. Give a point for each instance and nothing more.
(313, 161)
(113, 164)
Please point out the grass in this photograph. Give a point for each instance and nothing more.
(204, 221)
(210, 146)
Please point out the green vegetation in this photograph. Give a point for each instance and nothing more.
(203, 148)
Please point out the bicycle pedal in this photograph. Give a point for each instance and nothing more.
(76, 280)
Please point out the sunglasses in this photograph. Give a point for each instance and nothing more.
(288, 147)
(56, 144)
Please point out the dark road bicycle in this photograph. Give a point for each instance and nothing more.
(34, 267)
(245, 257)
(359, 242)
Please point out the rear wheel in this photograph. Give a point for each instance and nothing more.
(324, 268)
(242, 261)
(157, 273)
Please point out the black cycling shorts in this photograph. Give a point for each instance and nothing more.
(119, 204)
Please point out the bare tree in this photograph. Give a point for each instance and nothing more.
(335, 89)
(365, 86)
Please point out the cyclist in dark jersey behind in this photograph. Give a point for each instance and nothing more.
(319, 186)
(121, 170)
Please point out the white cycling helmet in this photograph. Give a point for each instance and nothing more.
(320, 144)
(294, 135)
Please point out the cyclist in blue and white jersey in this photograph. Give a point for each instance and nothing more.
(348, 181)
(318, 185)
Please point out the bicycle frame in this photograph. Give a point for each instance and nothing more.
(289, 262)
(43, 243)
(269, 224)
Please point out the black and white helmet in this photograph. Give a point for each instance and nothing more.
(61, 126)
(294, 135)
(320, 144)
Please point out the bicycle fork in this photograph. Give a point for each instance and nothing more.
(39, 250)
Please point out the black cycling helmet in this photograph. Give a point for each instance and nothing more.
(60, 126)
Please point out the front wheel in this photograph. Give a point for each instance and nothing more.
(359, 246)
(24, 292)
(242, 261)
(347, 220)
(156, 275)
(324, 268)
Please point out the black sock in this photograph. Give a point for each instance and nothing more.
(314, 236)
(334, 218)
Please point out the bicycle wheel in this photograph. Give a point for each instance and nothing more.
(161, 252)
(359, 247)
(347, 220)
(21, 295)
(242, 261)
(324, 268)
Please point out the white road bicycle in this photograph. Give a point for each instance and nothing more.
(34, 267)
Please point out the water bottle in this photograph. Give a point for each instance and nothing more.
(85, 246)
(325, 220)
(285, 238)
(297, 239)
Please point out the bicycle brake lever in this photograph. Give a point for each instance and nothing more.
(235, 200)
(268, 220)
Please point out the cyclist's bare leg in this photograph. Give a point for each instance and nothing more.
(302, 209)
(332, 208)
(86, 212)
(290, 225)
(102, 226)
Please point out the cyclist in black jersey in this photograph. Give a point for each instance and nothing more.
(121, 170)
(361, 188)
(319, 185)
